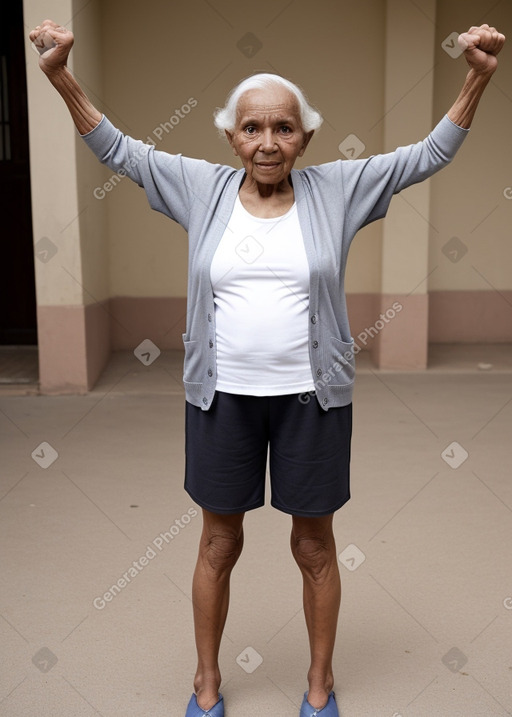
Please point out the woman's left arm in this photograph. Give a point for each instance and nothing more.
(480, 45)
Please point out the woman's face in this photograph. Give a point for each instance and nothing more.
(268, 136)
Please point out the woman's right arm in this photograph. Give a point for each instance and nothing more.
(53, 62)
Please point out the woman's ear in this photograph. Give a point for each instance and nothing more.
(229, 137)
(307, 137)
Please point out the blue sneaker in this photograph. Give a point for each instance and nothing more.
(329, 710)
(193, 709)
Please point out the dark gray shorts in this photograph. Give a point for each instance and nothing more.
(226, 454)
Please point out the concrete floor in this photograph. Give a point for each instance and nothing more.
(424, 545)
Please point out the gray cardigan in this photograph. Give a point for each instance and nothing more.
(334, 200)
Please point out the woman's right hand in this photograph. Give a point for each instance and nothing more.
(54, 42)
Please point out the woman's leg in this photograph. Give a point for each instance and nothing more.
(314, 549)
(219, 549)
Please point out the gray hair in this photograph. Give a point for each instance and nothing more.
(225, 117)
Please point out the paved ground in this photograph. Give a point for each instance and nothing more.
(424, 544)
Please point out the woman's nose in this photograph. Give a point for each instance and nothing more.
(267, 140)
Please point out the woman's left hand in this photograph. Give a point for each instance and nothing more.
(481, 45)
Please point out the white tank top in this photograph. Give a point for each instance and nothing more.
(260, 279)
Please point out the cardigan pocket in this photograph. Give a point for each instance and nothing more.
(342, 361)
(192, 363)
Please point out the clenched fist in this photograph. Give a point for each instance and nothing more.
(480, 46)
(54, 43)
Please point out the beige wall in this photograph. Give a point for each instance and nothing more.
(374, 68)
(194, 53)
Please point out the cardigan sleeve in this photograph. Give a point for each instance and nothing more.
(369, 184)
(172, 182)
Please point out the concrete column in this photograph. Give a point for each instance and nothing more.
(68, 225)
(409, 75)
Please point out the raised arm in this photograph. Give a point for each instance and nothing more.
(54, 43)
(480, 45)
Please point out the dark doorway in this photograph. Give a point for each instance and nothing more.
(18, 324)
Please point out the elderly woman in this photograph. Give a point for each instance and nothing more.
(269, 361)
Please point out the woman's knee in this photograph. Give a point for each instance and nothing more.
(221, 543)
(314, 549)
